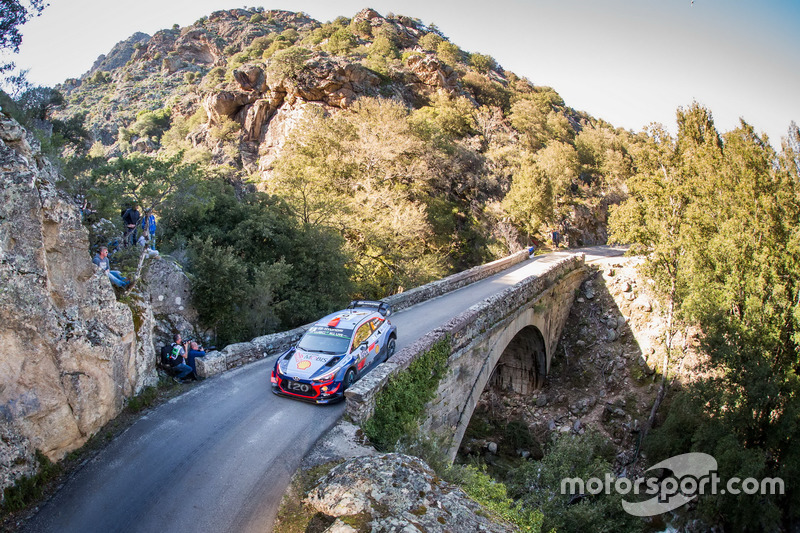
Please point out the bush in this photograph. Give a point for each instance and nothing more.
(537, 485)
(494, 497)
(482, 63)
(401, 404)
(226, 130)
(430, 42)
(341, 42)
(255, 19)
(29, 489)
(287, 63)
(448, 53)
(255, 270)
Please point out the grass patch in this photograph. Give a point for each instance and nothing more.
(29, 489)
(493, 496)
(400, 406)
(145, 399)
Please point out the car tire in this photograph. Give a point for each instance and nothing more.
(391, 346)
(349, 379)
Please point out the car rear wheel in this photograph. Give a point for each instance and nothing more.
(391, 346)
(349, 379)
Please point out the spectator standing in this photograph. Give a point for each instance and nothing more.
(131, 218)
(101, 259)
(149, 226)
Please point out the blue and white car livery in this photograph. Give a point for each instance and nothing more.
(335, 352)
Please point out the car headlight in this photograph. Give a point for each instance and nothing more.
(327, 377)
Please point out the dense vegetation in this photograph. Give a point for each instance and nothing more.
(718, 218)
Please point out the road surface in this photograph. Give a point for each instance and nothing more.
(219, 457)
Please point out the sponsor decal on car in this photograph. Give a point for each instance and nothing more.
(302, 365)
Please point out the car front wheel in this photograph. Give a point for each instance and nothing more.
(349, 379)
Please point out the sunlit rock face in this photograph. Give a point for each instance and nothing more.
(68, 351)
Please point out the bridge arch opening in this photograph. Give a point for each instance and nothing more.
(522, 366)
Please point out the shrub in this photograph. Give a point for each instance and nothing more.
(280, 43)
(226, 130)
(430, 42)
(99, 78)
(401, 404)
(290, 34)
(255, 19)
(28, 489)
(482, 63)
(448, 53)
(537, 484)
(362, 28)
(214, 77)
(287, 63)
(341, 42)
(494, 497)
(487, 92)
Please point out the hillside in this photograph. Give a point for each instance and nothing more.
(364, 156)
(230, 89)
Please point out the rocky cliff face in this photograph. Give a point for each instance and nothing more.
(68, 350)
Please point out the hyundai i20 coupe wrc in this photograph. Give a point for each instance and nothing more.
(335, 351)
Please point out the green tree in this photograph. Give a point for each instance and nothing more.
(358, 172)
(718, 216)
(537, 485)
(482, 63)
(430, 42)
(280, 273)
(529, 202)
(448, 53)
(15, 13)
(539, 117)
(146, 181)
(341, 42)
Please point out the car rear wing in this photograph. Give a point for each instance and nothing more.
(382, 307)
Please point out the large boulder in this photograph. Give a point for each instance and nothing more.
(398, 493)
(68, 354)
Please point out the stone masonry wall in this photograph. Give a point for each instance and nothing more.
(464, 330)
(245, 352)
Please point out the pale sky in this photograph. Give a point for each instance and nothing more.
(630, 62)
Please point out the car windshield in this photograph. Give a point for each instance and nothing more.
(326, 340)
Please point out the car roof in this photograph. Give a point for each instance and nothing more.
(348, 318)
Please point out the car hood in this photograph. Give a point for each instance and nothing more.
(305, 364)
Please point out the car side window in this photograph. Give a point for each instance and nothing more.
(376, 323)
(362, 333)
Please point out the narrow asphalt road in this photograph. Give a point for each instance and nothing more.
(219, 457)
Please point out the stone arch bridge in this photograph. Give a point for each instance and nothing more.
(508, 340)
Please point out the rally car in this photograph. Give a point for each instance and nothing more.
(335, 351)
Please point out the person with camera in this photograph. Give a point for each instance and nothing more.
(193, 350)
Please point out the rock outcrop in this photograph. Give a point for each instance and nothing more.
(68, 350)
(395, 492)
